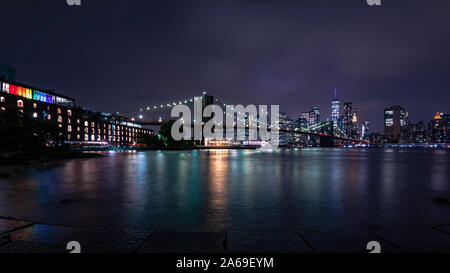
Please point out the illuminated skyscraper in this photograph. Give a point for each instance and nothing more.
(365, 130)
(348, 116)
(305, 116)
(335, 111)
(438, 129)
(355, 130)
(394, 121)
(314, 116)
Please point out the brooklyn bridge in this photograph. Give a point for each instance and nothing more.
(323, 134)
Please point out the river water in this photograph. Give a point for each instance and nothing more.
(216, 190)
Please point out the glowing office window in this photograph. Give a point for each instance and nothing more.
(69, 128)
(3, 109)
(86, 137)
(78, 136)
(59, 110)
(92, 138)
(12, 89)
(35, 115)
(59, 119)
(34, 105)
(49, 117)
(86, 123)
(6, 87)
(20, 103)
(2, 99)
(68, 137)
(92, 124)
(69, 113)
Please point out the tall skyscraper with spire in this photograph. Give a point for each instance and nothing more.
(335, 110)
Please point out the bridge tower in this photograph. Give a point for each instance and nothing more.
(328, 140)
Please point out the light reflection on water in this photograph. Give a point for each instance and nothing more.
(307, 189)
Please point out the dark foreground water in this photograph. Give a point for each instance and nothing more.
(308, 189)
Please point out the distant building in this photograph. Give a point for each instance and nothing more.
(395, 118)
(305, 116)
(354, 128)
(438, 129)
(301, 123)
(7, 73)
(350, 120)
(348, 116)
(335, 111)
(376, 138)
(314, 116)
(415, 133)
(285, 123)
(365, 130)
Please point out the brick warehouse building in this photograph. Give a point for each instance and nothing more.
(80, 126)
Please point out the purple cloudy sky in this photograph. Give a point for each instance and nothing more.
(121, 55)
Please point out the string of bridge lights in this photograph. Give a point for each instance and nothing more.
(189, 100)
(186, 101)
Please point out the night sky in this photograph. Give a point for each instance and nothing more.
(122, 55)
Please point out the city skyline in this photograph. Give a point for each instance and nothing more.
(292, 54)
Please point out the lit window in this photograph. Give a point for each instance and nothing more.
(92, 124)
(78, 121)
(20, 103)
(69, 128)
(86, 137)
(68, 136)
(59, 110)
(69, 120)
(78, 136)
(60, 126)
(69, 113)
(2, 99)
(3, 108)
(92, 138)
(5, 87)
(49, 117)
(34, 105)
(86, 124)
(35, 115)
(59, 119)
(78, 129)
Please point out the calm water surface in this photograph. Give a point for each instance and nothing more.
(308, 189)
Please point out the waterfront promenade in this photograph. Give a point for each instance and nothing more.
(18, 236)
